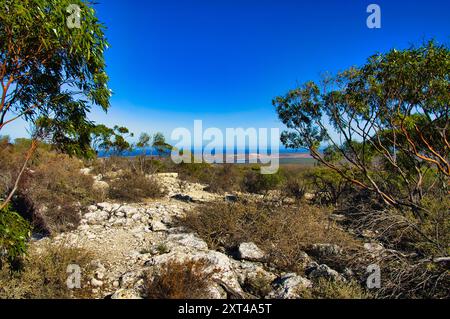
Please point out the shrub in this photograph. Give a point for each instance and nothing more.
(329, 187)
(178, 280)
(54, 191)
(327, 289)
(224, 178)
(135, 187)
(44, 274)
(283, 233)
(294, 187)
(14, 234)
(257, 183)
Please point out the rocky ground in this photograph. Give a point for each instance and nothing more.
(130, 239)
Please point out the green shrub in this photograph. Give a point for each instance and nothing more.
(44, 274)
(257, 183)
(14, 234)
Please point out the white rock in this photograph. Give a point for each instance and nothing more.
(105, 206)
(96, 217)
(315, 271)
(188, 240)
(156, 225)
(86, 171)
(373, 248)
(248, 272)
(100, 186)
(249, 251)
(83, 227)
(126, 294)
(136, 217)
(289, 286)
(96, 283)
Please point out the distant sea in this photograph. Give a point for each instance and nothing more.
(286, 156)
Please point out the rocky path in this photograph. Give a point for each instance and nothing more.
(128, 240)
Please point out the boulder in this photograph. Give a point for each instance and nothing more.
(326, 250)
(252, 275)
(374, 248)
(249, 251)
(156, 226)
(316, 271)
(96, 218)
(96, 283)
(187, 240)
(289, 286)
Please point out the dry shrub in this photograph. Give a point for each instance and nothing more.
(284, 232)
(224, 178)
(43, 274)
(179, 280)
(54, 191)
(327, 289)
(113, 164)
(294, 188)
(135, 187)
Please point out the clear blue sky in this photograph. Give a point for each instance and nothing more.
(223, 61)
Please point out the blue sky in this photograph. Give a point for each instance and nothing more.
(222, 61)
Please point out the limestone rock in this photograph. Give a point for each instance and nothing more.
(126, 294)
(289, 287)
(157, 225)
(315, 271)
(249, 251)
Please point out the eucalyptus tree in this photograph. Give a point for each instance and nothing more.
(52, 72)
(389, 116)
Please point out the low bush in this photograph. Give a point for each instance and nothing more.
(44, 274)
(135, 187)
(14, 234)
(53, 192)
(283, 233)
(327, 289)
(178, 280)
(294, 187)
(257, 183)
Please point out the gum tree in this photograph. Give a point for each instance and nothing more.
(51, 75)
(390, 115)
(385, 126)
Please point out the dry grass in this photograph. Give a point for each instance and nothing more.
(43, 275)
(54, 191)
(284, 232)
(135, 187)
(178, 280)
(325, 289)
